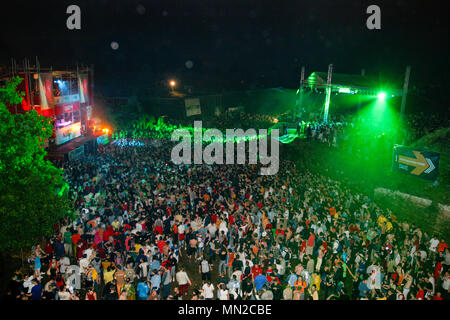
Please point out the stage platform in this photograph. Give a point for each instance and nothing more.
(60, 152)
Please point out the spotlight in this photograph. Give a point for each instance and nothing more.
(381, 96)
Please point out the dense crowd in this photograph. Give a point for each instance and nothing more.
(148, 229)
(408, 130)
(244, 120)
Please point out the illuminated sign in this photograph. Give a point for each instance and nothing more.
(103, 139)
(68, 133)
(418, 163)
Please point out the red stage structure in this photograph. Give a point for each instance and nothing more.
(64, 96)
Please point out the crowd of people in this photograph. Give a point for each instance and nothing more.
(148, 229)
(411, 128)
(242, 119)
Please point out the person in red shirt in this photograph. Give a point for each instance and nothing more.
(442, 246)
(310, 244)
(48, 248)
(75, 238)
(437, 296)
(420, 294)
(161, 244)
(332, 211)
(81, 247)
(280, 231)
(438, 270)
(302, 249)
(256, 271)
(107, 233)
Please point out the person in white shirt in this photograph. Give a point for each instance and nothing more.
(63, 294)
(222, 293)
(433, 244)
(84, 264)
(88, 253)
(183, 281)
(446, 282)
(208, 291)
(234, 286)
(28, 283)
(64, 262)
(223, 227)
(212, 229)
(237, 273)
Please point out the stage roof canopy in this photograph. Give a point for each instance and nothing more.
(353, 81)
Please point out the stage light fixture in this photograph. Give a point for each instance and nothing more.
(381, 96)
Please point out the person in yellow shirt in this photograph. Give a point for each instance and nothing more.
(92, 276)
(106, 265)
(315, 280)
(108, 276)
(389, 226)
(137, 247)
(115, 225)
(381, 220)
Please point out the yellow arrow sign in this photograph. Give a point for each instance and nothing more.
(420, 163)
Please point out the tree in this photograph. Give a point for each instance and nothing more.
(29, 203)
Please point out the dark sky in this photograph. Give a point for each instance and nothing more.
(232, 44)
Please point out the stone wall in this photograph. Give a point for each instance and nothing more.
(429, 216)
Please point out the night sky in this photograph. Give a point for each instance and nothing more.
(233, 45)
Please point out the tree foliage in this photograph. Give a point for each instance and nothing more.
(29, 204)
